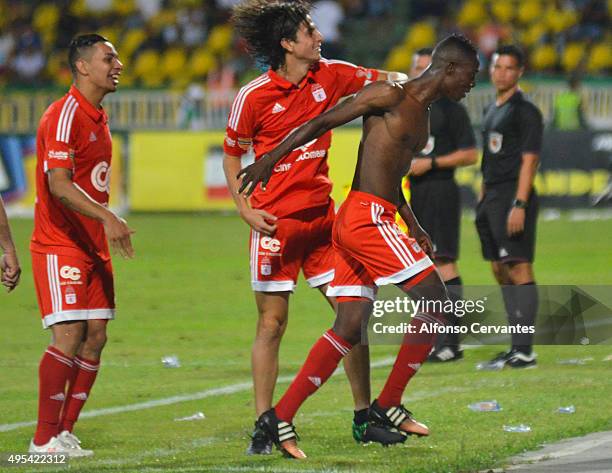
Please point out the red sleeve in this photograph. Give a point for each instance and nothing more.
(240, 126)
(351, 77)
(58, 138)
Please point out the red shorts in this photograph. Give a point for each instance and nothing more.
(370, 248)
(302, 241)
(70, 288)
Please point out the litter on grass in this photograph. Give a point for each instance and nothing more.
(485, 406)
(517, 428)
(171, 361)
(196, 416)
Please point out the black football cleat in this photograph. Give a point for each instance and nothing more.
(261, 444)
(370, 432)
(397, 417)
(281, 433)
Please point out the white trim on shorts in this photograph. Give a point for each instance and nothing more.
(321, 279)
(406, 273)
(75, 315)
(352, 291)
(273, 286)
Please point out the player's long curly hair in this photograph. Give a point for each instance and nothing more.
(264, 23)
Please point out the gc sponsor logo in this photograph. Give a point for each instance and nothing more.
(100, 177)
(270, 244)
(68, 272)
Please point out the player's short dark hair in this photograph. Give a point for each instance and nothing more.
(424, 52)
(264, 23)
(79, 45)
(514, 51)
(454, 48)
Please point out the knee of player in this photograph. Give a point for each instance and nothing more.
(348, 330)
(271, 328)
(96, 340)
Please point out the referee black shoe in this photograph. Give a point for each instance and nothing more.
(397, 417)
(371, 432)
(444, 354)
(518, 359)
(282, 433)
(261, 444)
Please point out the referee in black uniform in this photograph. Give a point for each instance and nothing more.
(434, 194)
(507, 211)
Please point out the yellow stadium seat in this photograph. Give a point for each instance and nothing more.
(472, 14)
(420, 35)
(572, 55)
(529, 11)
(601, 58)
(130, 42)
(45, 17)
(399, 59)
(124, 7)
(147, 64)
(201, 62)
(544, 57)
(503, 10)
(533, 34)
(110, 33)
(173, 63)
(220, 39)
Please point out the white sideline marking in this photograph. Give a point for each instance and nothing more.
(230, 389)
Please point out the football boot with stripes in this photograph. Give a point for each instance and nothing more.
(282, 434)
(371, 432)
(397, 417)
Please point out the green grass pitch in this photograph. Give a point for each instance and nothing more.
(187, 293)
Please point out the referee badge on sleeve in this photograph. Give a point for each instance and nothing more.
(495, 141)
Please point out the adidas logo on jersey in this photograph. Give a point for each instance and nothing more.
(503, 252)
(315, 380)
(58, 397)
(93, 137)
(278, 108)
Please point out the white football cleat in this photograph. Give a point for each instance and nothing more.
(54, 445)
(73, 444)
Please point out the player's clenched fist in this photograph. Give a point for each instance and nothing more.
(10, 270)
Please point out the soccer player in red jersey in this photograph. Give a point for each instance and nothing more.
(10, 271)
(370, 249)
(290, 225)
(70, 255)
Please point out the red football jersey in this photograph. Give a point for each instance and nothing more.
(268, 108)
(72, 134)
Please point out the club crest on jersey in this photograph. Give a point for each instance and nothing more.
(270, 244)
(431, 143)
(265, 267)
(318, 93)
(495, 141)
(100, 177)
(70, 296)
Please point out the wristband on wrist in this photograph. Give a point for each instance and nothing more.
(520, 204)
(434, 165)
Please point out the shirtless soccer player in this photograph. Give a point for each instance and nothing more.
(370, 250)
(291, 226)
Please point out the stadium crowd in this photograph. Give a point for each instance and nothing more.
(173, 43)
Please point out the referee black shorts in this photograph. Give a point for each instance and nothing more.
(436, 205)
(492, 222)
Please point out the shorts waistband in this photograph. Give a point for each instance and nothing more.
(353, 195)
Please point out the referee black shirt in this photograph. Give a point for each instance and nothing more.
(509, 131)
(450, 130)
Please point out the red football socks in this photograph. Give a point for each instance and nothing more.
(322, 361)
(78, 391)
(53, 372)
(413, 352)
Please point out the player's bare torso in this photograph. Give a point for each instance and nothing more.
(389, 141)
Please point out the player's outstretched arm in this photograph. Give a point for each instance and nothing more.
(10, 271)
(375, 97)
(117, 231)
